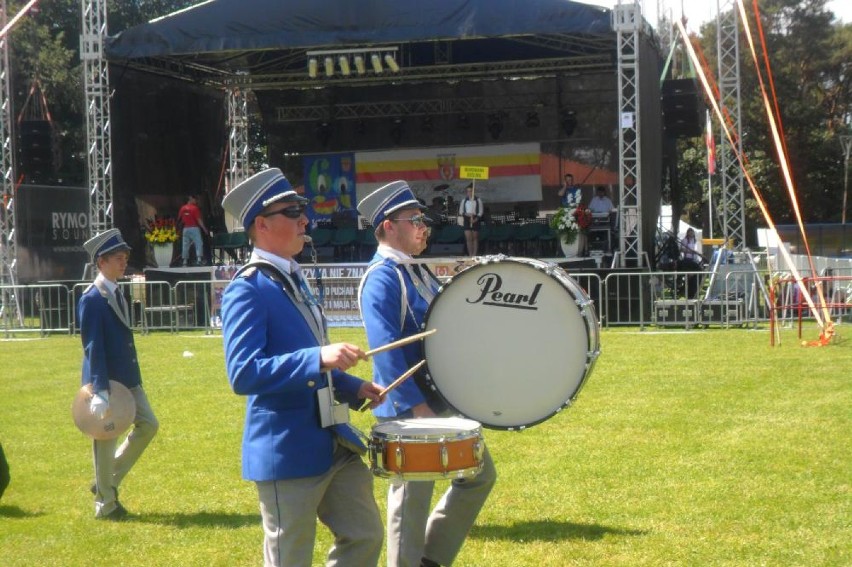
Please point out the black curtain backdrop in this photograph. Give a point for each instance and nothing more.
(169, 139)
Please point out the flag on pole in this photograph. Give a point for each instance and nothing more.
(711, 147)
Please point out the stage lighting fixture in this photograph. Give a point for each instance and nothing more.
(495, 125)
(329, 67)
(359, 64)
(569, 122)
(533, 120)
(376, 62)
(391, 63)
(344, 65)
(312, 67)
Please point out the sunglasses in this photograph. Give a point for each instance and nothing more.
(289, 212)
(419, 221)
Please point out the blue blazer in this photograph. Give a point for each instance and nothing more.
(273, 358)
(385, 322)
(109, 352)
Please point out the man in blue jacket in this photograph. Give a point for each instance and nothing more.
(109, 353)
(395, 294)
(297, 446)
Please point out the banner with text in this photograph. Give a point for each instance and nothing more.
(514, 171)
(52, 225)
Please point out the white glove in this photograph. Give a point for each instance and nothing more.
(99, 404)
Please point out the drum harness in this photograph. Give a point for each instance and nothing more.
(415, 272)
(311, 310)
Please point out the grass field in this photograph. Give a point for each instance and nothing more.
(701, 448)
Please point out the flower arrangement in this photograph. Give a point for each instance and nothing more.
(571, 218)
(161, 230)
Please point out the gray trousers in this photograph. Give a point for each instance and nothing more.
(342, 499)
(413, 533)
(111, 465)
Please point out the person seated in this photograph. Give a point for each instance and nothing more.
(600, 203)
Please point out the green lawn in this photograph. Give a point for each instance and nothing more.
(701, 448)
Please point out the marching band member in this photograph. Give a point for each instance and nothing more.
(297, 446)
(394, 295)
(109, 353)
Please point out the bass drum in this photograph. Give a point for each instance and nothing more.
(516, 340)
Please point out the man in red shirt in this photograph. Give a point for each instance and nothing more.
(190, 217)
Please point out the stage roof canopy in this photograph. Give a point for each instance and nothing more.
(266, 42)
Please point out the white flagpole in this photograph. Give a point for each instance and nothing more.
(708, 137)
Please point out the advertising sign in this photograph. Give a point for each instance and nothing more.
(52, 224)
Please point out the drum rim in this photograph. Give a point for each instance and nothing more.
(591, 355)
(431, 475)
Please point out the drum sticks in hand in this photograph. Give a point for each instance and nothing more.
(401, 342)
(405, 376)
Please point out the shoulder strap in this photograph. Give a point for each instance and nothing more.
(403, 304)
(268, 268)
(276, 275)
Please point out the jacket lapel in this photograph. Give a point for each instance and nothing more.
(111, 301)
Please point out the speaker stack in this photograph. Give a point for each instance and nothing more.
(683, 108)
(35, 150)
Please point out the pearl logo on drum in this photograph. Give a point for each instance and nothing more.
(491, 293)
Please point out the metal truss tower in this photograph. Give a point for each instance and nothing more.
(627, 22)
(238, 137)
(8, 244)
(731, 175)
(98, 129)
(238, 142)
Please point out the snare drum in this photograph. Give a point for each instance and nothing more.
(517, 339)
(427, 449)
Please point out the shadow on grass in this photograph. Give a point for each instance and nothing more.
(549, 531)
(199, 519)
(15, 512)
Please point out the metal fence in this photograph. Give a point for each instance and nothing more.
(737, 297)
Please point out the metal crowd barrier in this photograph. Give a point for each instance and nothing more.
(642, 299)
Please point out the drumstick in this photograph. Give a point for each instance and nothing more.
(401, 342)
(405, 376)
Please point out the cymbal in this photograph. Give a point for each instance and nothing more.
(122, 412)
(441, 187)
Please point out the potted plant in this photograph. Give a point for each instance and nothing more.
(162, 233)
(569, 221)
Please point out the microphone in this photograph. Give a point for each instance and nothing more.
(307, 238)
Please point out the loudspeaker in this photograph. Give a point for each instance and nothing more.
(36, 148)
(683, 108)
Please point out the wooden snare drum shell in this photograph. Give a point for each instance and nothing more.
(427, 457)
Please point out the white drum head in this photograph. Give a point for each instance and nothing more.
(513, 345)
(429, 427)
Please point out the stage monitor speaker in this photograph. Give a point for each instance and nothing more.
(682, 108)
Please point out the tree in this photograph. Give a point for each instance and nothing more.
(810, 58)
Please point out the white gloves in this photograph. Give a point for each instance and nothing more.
(99, 404)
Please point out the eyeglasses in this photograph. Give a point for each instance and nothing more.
(419, 221)
(289, 212)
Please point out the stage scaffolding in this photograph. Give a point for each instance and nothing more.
(8, 239)
(731, 174)
(627, 22)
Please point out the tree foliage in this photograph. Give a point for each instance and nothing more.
(810, 56)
